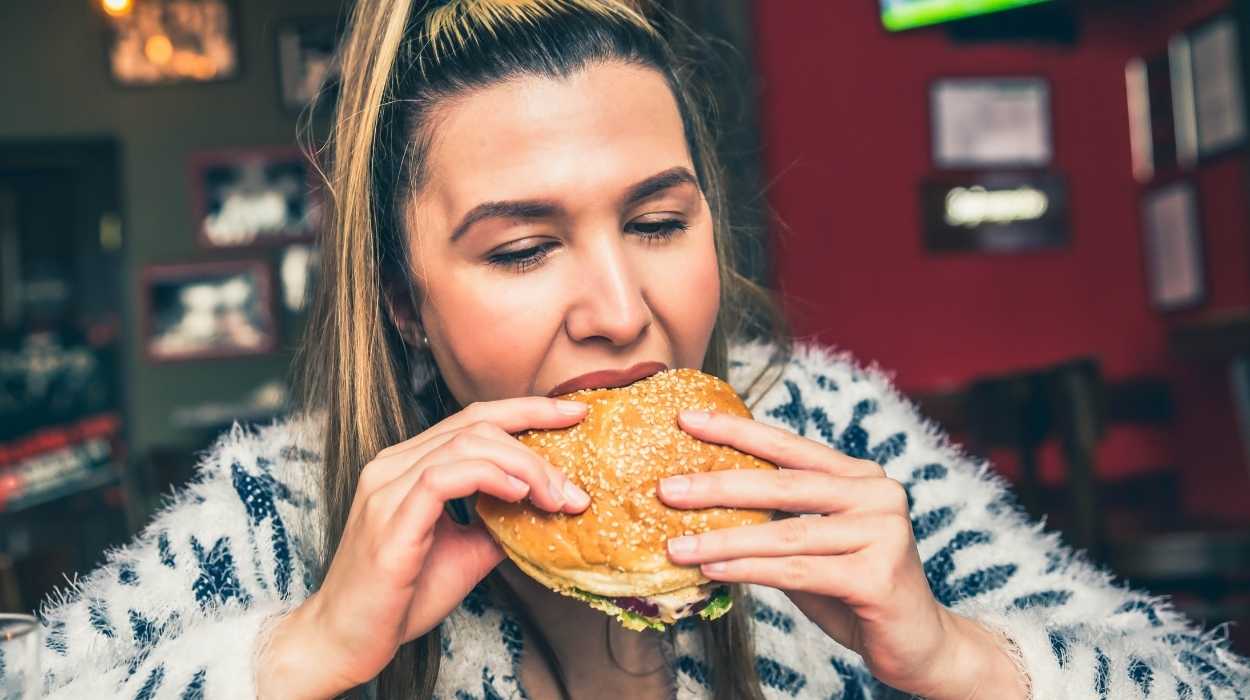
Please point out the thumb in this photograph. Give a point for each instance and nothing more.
(470, 549)
(460, 557)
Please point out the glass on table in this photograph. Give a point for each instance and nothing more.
(19, 657)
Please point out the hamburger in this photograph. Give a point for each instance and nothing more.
(613, 555)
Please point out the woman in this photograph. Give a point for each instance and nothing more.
(523, 191)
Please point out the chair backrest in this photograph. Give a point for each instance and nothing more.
(1022, 410)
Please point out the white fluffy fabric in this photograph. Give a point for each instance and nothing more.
(181, 611)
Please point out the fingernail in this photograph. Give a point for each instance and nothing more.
(675, 485)
(716, 567)
(695, 417)
(576, 496)
(557, 492)
(518, 484)
(681, 545)
(571, 408)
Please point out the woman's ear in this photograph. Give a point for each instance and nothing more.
(399, 309)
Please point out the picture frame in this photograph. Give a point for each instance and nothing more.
(306, 58)
(207, 310)
(298, 268)
(995, 212)
(1219, 104)
(1152, 95)
(990, 122)
(1172, 246)
(168, 42)
(253, 198)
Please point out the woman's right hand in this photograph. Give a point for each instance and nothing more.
(403, 564)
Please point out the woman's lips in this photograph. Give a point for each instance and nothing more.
(609, 378)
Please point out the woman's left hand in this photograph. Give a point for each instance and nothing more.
(851, 565)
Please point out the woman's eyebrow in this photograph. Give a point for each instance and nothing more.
(545, 209)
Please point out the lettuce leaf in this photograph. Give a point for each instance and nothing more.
(628, 618)
(720, 604)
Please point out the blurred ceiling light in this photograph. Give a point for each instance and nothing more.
(159, 49)
(117, 8)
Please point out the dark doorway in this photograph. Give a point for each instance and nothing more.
(62, 418)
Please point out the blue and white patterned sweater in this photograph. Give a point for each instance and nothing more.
(179, 612)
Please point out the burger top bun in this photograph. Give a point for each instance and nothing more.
(627, 442)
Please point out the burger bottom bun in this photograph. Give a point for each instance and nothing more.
(608, 583)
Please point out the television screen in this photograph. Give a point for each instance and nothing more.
(905, 14)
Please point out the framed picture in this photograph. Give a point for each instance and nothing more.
(207, 310)
(307, 59)
(298, 271)
(990, 122)
(1152, 119)
(253, 197)
(1173, 246)
(1007, 212)
(1219, 103)
(160, 42)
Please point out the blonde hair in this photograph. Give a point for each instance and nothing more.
(398, 61)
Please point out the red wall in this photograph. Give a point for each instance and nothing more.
(846, 140)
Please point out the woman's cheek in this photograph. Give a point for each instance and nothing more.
(691, 297)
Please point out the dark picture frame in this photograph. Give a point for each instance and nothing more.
(998, 212)
(253, 198)
(299, 266)
(1152, 95)
(1218, 93)
(306, 59)
(991, 122)
(1172, 248)
(170, 42)
(207, 310)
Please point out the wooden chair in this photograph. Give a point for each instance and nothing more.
(1202, 569)
(1023, 410)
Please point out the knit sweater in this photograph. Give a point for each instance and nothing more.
(180, 612)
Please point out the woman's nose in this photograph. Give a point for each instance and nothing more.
(611, 297)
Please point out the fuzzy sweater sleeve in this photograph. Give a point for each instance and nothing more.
(1072, 629)
(179, 612)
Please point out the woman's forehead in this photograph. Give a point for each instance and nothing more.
(585, 136)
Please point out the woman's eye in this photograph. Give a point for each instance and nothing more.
(660, 229)
(521, 260)
(528, 258)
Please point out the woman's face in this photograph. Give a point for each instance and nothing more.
(594, 248)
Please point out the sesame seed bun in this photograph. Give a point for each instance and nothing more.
(627, 442)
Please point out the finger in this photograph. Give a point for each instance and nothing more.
(424, 502)
(781, 447)
(790, 490)
(794, 536)
(822, 575)
(459, 559)
(511, 415)
(550, 489)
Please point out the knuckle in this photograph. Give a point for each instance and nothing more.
(790, 479)
(373, 508)
(779, 442)
(710, 542)
(475, 411)
(897, 527)
(431, 479)
(367, 482)
(872, 468)
(896, 494)
(793, 533)
(483, 428)
(463, 442)
(883, 576)
(797, 571)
